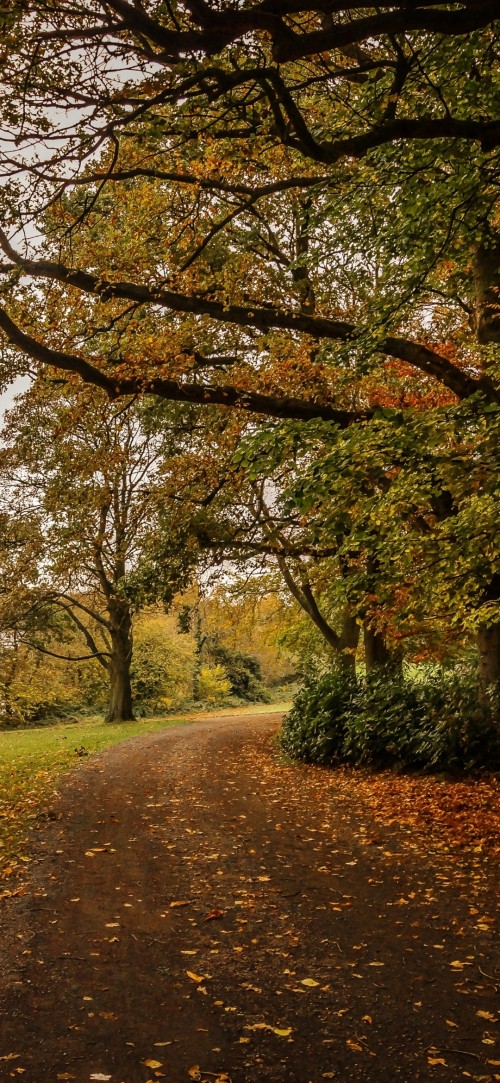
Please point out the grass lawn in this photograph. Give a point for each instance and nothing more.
(32, 760)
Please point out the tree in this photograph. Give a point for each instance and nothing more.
(208, 185)
(83, 476)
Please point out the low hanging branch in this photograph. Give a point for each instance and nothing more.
(415, 354)
(175, 390)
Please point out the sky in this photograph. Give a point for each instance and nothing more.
(8, 396)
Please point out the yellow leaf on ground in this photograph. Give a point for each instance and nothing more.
(487, 1015)
(433, 1061)
(281, 1032)
(181, 902)
(152, 1063)
(194, 977)
(309, 982)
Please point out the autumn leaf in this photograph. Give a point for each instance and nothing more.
(281, 1032)
(153, 1063)
(310, 982)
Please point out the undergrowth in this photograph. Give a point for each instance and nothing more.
(438, 723)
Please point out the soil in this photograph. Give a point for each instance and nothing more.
(202, 909)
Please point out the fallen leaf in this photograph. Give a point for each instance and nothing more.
(152, 1064)
(214, 915)
(281, 1032)
(354, 1045)
(194, 1072)
(310, 982)
(433, 1061)
(194, 977)
(487, 1015)
(180, 903)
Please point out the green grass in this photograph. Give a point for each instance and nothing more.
(32, 760)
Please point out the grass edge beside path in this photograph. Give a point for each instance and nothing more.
(33, 760)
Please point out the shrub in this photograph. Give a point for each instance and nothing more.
(439, 722)
(213, 685)
(242, 670)
(315, 728)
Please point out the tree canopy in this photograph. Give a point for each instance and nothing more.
(289, 210)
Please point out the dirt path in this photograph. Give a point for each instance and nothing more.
(203, 906)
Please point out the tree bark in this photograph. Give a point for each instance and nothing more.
(487, 282)
(120, 700)
(347, 645)
(488, 642)
(378, 654)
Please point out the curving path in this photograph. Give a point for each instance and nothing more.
(204, 910)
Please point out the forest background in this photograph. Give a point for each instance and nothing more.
(252, 271)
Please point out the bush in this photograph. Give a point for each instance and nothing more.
(213, 685)
(315, 729)
(242, 670)
(437, 723)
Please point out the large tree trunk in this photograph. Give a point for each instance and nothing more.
(487, 282)
(347, 645)
(378, 655)
(120, 700)
(488, 642)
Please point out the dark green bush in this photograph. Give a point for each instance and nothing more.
(438, 723)
(315, 728)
